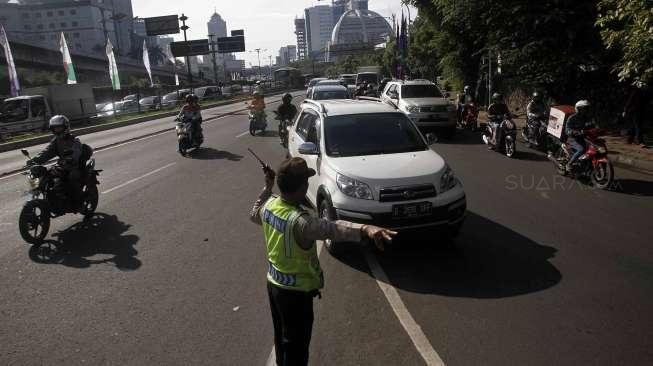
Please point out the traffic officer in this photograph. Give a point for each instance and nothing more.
(294, 275)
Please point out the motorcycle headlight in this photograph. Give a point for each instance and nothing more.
(412, 108)
(354, 188)
(448, 179)
(602, 150)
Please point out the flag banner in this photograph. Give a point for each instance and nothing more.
(67, 60)
(174, 66)
(113, 67)
(13, 75)
(146, 62)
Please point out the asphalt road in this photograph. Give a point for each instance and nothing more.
(170, 271)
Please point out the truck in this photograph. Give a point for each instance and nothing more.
(368, 74)
(32, 110)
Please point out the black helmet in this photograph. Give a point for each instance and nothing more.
(497, 97)
(189, 98)
(287, 98)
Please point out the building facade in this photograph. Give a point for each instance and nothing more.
(319, 25)
(287, 55)
(86, 23)
(300, 33)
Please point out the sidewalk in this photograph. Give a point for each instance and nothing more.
(622, 154)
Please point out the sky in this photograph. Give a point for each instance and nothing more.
(267, 24)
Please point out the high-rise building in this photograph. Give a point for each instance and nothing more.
(217, 26)
(287, 55)
(122, 22)
(319, 25)
(300, 33)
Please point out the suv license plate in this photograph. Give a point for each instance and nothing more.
(411, 210)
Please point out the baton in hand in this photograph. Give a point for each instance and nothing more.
(265, 166)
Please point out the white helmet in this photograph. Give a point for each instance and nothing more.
(582, 104)
(59, 120)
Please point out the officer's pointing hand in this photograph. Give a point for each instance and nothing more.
(379, 235)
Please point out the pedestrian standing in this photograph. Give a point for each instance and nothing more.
(635, 112)
(294, 275)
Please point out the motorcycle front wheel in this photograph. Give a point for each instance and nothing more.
(91, 198)
(34, 221)
(510, 148)
(603, 175)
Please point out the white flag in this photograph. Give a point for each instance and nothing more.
(67, 60)
(174, 66)
(146, 61)
(13, 75)
(113, 67)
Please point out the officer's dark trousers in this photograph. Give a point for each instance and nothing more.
(292, 316)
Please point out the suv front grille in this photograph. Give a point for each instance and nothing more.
(398, 194)
(433, 109)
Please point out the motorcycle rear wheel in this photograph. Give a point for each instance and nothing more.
(34, 221)
(560, 161)
(602, 175)
(510, 148)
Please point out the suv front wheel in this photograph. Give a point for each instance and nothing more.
(326, 211)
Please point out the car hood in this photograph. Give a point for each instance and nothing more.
(425, 101)
(390, 170)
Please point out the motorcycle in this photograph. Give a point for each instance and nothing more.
(49, 198)
(593, 164)
(257, 122)
(470, 117)
(284, 122)
(187, 137)
(507, 143)
(534, 133)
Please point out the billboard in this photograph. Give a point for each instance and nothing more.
(157, 26)
(231, 44)
(190, 48)
(237, 32)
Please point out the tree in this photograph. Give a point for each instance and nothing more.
(627, 26)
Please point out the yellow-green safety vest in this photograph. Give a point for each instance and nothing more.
(289, 265)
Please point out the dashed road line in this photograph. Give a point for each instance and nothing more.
(138, 178)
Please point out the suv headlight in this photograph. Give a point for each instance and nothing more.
(412, 108)
(448, 179)
(354, 188)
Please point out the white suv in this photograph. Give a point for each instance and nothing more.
(423, 103)
(374, 167)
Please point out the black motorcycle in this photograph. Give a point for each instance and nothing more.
(506, 144)
(188, 135)
(49, 198)
(535, 133)
(284, 122)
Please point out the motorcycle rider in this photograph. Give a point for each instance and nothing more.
(496, 112)
(191, 111)
(464, 99)
(69, 150)
(257, 104)
(575, 130)
(537, 111)
(287, 111)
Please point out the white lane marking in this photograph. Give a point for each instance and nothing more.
(138, 178)
(242, 134)
(272, 357)
(411, 327)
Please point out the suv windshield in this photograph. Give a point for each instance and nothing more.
(371, 134)
(331, 94)
(420, 91)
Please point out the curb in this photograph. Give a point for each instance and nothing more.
(641, 166)
(126, 123)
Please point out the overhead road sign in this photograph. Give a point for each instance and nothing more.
(231, 44)
(190, 48)
(157, 26)
(237, 32)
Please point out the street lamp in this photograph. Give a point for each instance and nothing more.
(258, 53)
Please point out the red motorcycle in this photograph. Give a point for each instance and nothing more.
(593, 164)
(469, 116)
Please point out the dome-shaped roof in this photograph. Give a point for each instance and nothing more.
(360, 26)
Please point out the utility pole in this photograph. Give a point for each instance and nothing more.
(270, 71)
(213, 52)
(258, 52)
(184, 27)
(489, 77)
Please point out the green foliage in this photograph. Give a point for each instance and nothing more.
(627, 26)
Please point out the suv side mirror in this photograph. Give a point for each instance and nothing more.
(431, 138)
(308, 148)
